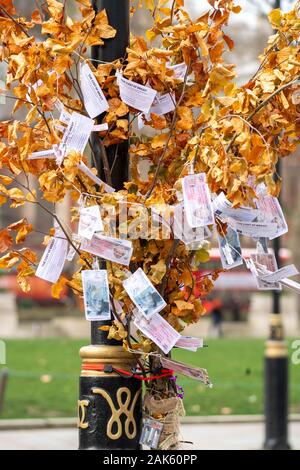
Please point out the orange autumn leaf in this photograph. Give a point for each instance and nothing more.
(24, 273)
(58, 287)
(104, 328)
(8, 6)
(9, 260)
(15, 226)
(22, 227)
(23, 232)
(185, 118)
(6, 240)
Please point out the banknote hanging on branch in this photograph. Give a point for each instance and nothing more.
(210, 160)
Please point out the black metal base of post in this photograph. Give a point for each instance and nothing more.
(276, 389)
(109, 408)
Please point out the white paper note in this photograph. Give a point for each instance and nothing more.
(112, 249)
(190, 343)
(230, 249)
(264, 262)
(77, 133)
(71, 253)
(96, 295)
(197, 201)
(42, 154)
(270, 210)
(143, 294)
(282, 273)
(223, 209)
(87, 171)
(89, 222)
(135, 95)
(163, 104)
(158, 330)
(100, 127)
(293, 285)
(254, 229)
(182, 230)
(179, 70)
(65, 117)
(185, 369)
(94, 100)
(53, 260)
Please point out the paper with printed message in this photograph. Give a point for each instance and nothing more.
(77, 133)
(94, 99)
(230, 249)
(53, 259)
(112, 249)
(264, 263)
(197, 201)
(185, 369)
(135, 95)
(96, 295)
(89, 222)
(143, 294)
(223, 209)
(158, 330)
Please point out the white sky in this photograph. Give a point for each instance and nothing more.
(249, 7)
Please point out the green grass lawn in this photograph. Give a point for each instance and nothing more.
(44, 378)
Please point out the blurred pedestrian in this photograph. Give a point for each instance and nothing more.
(216, 319)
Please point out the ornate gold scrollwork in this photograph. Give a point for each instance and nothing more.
(124, 408)
(82, 404)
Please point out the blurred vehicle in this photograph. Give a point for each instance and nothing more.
(40, 292)
(233, 288)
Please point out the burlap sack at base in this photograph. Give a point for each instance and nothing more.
(167, 411)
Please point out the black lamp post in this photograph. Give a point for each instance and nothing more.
(276, 367)
(109, 408)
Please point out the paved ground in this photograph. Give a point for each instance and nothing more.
(230, 436)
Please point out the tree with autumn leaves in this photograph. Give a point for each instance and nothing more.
(235, 135)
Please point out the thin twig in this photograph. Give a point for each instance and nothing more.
(174, 120)
(262, 105)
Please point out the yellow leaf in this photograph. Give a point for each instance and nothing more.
(104, 328)
(236, 8)
(22, 277)
(17, 225)
(185, 115)
(6, 179)
(183, 305)
(150, 5)
(158, 271)
(23, 232)
(8, 5)
(150, 34)
(275, 17)
(159, 141)
(17, 197)
(58, 287)
(6, 240)
(54, 7)
(202, 256)
(117, 331)
(9, 260)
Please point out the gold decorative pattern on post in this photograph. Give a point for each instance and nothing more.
(104, 354)
(276, 349)
(82, 404)
(124, 408)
